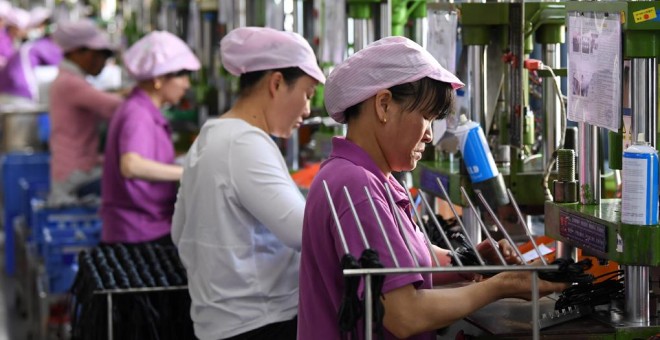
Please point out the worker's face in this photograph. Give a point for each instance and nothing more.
(403, 137)
(174, 87)
(96, 61)
(290, 104)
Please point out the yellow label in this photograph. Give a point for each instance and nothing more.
(623, 17)
(644, 15)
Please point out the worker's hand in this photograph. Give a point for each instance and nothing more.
(518, 284)
(505, 248)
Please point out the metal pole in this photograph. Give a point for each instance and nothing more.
(588, 159)
(368, 311)
(382, 228)
(387, 29)
(361, 39)
(477, 84)
(552, 127)
(637, 294)
(110, 333)
(643, 87)
(535, 306)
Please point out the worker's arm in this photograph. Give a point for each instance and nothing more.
(135, 166)
(102, 103)
(409, 311)
(265, 188)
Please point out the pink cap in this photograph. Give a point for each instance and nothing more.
(249, 49)
(382, 64)
(159, 53)
(38, 15)
(83, 33)
(18, 17)
(5, 8)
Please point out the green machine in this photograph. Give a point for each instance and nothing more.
(585, 221)
(496, 38)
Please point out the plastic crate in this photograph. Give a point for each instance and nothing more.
(79, 217)
(33, 194)
(31, 167)
(59, 253)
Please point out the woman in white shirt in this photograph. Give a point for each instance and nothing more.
(238, 216)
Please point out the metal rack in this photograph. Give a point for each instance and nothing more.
(110, 292)
(368, 295)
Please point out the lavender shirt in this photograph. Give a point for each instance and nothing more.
(135, 210)
(321, 278)
(17, 77)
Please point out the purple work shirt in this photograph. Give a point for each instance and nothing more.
(6, 46)
(321, 278)
(135, 210)
(17, 77)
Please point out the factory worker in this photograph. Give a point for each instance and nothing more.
(387, 94)
(76, 110)
(6, 44)
(139, 175)
(16, 23)
(18, 80)
(238, 216)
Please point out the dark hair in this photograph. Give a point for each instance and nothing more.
(247, 80)
(179, 73)
(433, 98)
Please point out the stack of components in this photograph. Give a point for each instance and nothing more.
(146, 287)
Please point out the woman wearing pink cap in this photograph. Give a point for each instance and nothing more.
(76, 111)
(238, 215)
(139, 175)
(18, 80)
(388, 94)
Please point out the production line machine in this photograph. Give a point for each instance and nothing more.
(619, 94)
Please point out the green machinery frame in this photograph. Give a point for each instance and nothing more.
(598, 228)
(544, 22)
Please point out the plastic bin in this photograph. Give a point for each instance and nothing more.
(59, 253)
(32, 167)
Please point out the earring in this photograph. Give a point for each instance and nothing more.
(157, 85)
(384, 120)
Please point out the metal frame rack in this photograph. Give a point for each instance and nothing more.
(368, 295)
(110, 292)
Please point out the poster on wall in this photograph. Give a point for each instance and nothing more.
(594, 69)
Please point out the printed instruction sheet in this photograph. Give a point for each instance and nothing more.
(594, 69)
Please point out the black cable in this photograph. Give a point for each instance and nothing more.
(350, 310)
(593, 294)
(370, 259)
(569, 271)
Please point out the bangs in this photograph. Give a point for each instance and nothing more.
(432, 98)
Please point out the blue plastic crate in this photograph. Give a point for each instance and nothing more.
(32, 167)
(59, 253)
(80, 217)
(33, 194)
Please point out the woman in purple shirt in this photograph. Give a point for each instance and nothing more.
(388, 94)
(18, 78)
(139, 174)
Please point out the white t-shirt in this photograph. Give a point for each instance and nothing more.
(238, 227)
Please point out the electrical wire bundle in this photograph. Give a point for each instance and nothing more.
(127, 270)
(593, 293)
(569, 271)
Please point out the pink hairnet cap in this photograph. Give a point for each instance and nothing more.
(159, 53)
(5, 8)
(382, 64)
(84, 33)
(38, 15)
(18, 17)
(249, 49)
